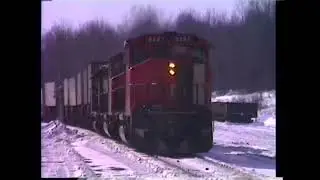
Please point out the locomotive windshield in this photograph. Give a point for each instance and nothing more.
(195, 53)
(198, 55)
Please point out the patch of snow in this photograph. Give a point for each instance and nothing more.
(247, 146)
(74, 152)
(58, 159)
(237, 158)
(127, 154)
(103, 163)
(43, 124)
(270, 122)
(255, 139)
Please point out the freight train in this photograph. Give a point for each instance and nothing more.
(155, 95)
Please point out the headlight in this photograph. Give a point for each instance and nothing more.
(171, 72)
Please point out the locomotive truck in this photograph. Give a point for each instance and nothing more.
(154, 95)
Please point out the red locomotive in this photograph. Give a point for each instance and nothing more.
(155, 95)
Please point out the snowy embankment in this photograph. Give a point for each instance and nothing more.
(58, 159)
(72, 152)
(75, 152)
(248, 146)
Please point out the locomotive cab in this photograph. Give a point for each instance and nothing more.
(170, 95)
(155, 94)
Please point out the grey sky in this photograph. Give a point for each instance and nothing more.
(77, 12)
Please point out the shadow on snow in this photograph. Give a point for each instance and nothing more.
(245, 157)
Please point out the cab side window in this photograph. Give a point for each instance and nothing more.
(138, 56)
(160, 52)
(117, 66)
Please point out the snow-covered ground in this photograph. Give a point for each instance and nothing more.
(69, 152)
(250, 146)
(58, 159)
(74, 152)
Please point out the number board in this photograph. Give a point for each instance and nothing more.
(168, 39)
(163, 39)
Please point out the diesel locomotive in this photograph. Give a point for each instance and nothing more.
(154, 95)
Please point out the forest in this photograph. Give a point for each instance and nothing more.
(243, 58)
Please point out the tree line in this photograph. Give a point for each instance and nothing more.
(243, 58)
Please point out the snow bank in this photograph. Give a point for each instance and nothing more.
(58, 158)
(261, 140)
(56, 129)
(266, 101)
(270, 122)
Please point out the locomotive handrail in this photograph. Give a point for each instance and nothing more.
(113, 77)
(138, 64)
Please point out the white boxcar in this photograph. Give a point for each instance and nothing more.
(85, 86)
(65, 92)
(49, 94)
(79, 92)
(93, 68)
(72, 92)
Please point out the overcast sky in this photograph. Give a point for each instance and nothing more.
(77, 12)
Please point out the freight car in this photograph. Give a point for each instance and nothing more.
(79, 102)
(48, 102)
(237, 112)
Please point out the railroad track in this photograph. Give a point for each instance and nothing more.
(199, 167)
(251, 174)
(184, 168)
(194, 167)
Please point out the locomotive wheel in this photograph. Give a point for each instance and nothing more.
(107, 129)
(94, 125)
(124, 133)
